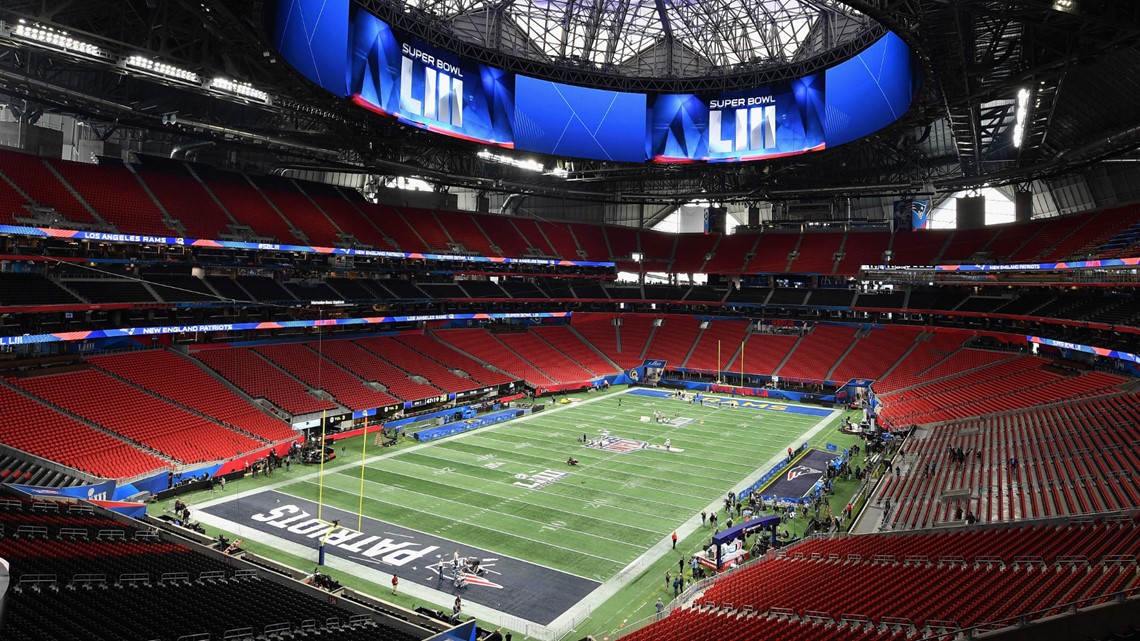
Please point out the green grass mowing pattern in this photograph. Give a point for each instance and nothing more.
(636, 601)
(611, 508)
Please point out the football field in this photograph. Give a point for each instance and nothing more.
(553, 539)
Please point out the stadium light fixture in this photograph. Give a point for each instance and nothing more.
(143, 63)
(1022, 112)
(55, 39)
(242, 89)
(528, 165)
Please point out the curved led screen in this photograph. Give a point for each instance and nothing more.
(354, 54)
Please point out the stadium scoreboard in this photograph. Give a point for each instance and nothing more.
(354, 54)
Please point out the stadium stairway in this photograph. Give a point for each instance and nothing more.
(1074, 458)
(371, 367)
(1099, 228)
(485, 348)
(177, 381)
(930, 349)
(632, 337)
(466, 232)
(653, 329)
(27, 469)
(763, 353)
(876, 354)
(306, 217)
(437, 353)
(260, 379)
(673, 339)
(724, 336)
(816, 353)
(611, 366)
(958, 578)
(167, 219)
(395, 350)
(23, 398)
(29, 176)
(182, 193)
(909, 350)
(787, 357)
(570, 343)
(847, 352)
(948, 367)
(348, 219)
(151, 421)
(86, 206)
(113, 195)
(318, 373)
(545, 358)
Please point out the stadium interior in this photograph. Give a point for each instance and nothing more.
(296, 296)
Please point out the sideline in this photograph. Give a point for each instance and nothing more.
(631, 572)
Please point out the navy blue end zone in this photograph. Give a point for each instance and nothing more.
(520, 589)
(796, 480)
(753, 403)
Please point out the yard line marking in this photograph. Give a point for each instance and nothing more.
(386, 455)
(490, 548)
(500, 484)
(507, 499)
(631, 572)
(486, 510)
(591, 458)
(555, 487)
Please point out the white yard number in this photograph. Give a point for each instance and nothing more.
(553, 526)
(443, 470)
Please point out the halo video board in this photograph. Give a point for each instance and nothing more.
(354, 54)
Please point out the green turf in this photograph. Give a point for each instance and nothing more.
(611, 508)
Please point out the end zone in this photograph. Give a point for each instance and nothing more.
(510, 586)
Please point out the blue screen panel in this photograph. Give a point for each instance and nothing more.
(780, 120)
(870, 91)
(312, 36)
(429, 88)
(564, 120)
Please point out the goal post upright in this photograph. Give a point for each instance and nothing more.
(363, 457)
(321, 472)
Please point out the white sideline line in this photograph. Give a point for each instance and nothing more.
(629, 573)
(381, 457)
(603, 593)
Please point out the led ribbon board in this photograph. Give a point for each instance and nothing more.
(103, 237)
(1087, 349)
(28, 339)
(354, 54)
